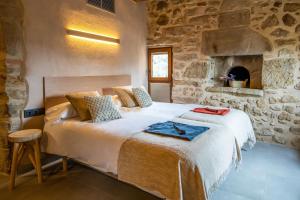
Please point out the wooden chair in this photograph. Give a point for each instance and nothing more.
(25, 140)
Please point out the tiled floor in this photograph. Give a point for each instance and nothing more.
(268, 172)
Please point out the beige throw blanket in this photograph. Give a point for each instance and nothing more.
(177, 169)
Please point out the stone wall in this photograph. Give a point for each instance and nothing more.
(199, 29)
(13, 93)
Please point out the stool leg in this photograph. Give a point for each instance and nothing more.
(31, 155)
(65, 164)
(38, 160)
(21, 152)
(14, 167)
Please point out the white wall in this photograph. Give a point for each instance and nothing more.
(50, 52)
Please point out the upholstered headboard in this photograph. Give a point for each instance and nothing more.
(55, 88)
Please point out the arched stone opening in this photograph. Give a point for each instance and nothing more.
(240, 73)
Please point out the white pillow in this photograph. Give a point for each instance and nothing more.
(60, 112)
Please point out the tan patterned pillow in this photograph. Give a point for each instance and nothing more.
(126, 96)
(102, 108)
(142, 97)
(78, 102)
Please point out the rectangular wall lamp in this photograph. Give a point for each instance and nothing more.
(92, 36)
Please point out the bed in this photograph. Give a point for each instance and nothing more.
(166, 167)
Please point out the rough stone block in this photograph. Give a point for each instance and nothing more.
(235, 41)
(278, 73)
(13, 38)
(234, 19)
(266, 132)
(295, 130)
(211, 10)
(231, 5)
(286, 53)
(270, 22)
(195, 11)
(296, 143)
(197, 70)
(289, 99)
(279, 32)
(297, 29)
(291, 7)
(15, 106)
(285, 42)
(277, 3)
(185, 57)
(178, 30)
(297, 86)
(162, 5)
(290, 109)
(202, 20)
(275, 107)
(289, 20)
(279, 139)
(15, 123)
(284, 116)
(162, 20)
(278, 130)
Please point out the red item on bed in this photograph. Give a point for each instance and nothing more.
(212, 111)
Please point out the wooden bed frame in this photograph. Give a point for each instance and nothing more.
(55, 88)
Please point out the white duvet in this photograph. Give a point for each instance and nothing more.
(95, 144)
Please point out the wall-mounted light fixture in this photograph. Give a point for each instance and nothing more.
(92, 36)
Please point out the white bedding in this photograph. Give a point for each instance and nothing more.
(71, 137)
(237, 121)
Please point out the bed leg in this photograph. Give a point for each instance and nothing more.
(65, 164)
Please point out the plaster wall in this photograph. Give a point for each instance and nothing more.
(50, 52)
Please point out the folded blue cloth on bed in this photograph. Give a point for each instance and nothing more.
(178, 130)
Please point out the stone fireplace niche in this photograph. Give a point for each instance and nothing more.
(239, 73)
(243, 67)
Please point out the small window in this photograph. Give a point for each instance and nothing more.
(108, 5)
(160, 64)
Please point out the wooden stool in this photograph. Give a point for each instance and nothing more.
(25, 140)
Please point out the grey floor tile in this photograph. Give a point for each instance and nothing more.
(279, 188)
(225, 195)
(245, 184)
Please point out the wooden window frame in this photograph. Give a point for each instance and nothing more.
(159, 50)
